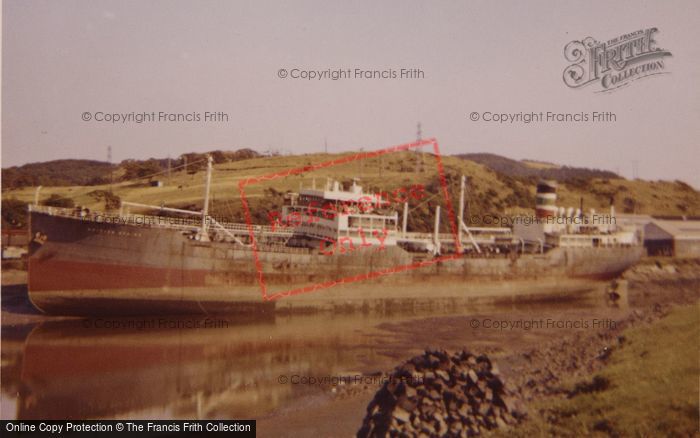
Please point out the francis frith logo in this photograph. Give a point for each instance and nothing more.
(613, 64)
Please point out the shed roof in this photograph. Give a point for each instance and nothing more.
(680, 229)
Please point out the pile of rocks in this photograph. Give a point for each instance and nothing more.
(436, 395)
(664, 269)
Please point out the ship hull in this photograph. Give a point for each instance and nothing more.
(81, 267)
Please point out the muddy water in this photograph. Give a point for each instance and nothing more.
(199, 368)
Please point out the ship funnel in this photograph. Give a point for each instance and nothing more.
(546, 199)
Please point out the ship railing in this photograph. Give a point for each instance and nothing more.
(177, 223)
(445, 237)
(282, 249)
(99, 217)
(425, 236)
(118, 219)
(257, 229)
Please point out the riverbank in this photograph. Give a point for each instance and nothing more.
(574, 380)
(643, 383)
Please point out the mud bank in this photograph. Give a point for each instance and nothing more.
(537, 364)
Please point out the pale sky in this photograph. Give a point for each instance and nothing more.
(63, 58)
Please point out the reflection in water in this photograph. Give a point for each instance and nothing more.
(188, 368)
(199, 369)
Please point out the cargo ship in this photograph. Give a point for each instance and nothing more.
(345, 252)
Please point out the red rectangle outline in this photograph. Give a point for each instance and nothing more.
(348, 159)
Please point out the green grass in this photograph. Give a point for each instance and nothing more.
(392, 171)
(487, 193)
(653, 387)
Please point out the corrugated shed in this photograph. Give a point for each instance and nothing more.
(677, 229)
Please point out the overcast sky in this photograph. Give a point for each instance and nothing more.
(64, 58)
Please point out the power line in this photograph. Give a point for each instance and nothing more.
(166, 170)
(420, 160)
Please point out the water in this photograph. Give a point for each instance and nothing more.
(198, 368)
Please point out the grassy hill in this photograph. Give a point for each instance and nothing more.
(532, 168)
(489, 191)
(57, 173)
(92, 173)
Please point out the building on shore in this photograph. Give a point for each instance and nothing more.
(676, 236)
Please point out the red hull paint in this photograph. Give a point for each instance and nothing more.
(51, 275)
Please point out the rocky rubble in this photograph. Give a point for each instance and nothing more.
(438, 395)
(659, 269)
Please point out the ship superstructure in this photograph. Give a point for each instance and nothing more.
(560, 227)
(333, 215)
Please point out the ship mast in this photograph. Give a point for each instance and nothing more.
(461, 214)
(203, 234)
(462, 226)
